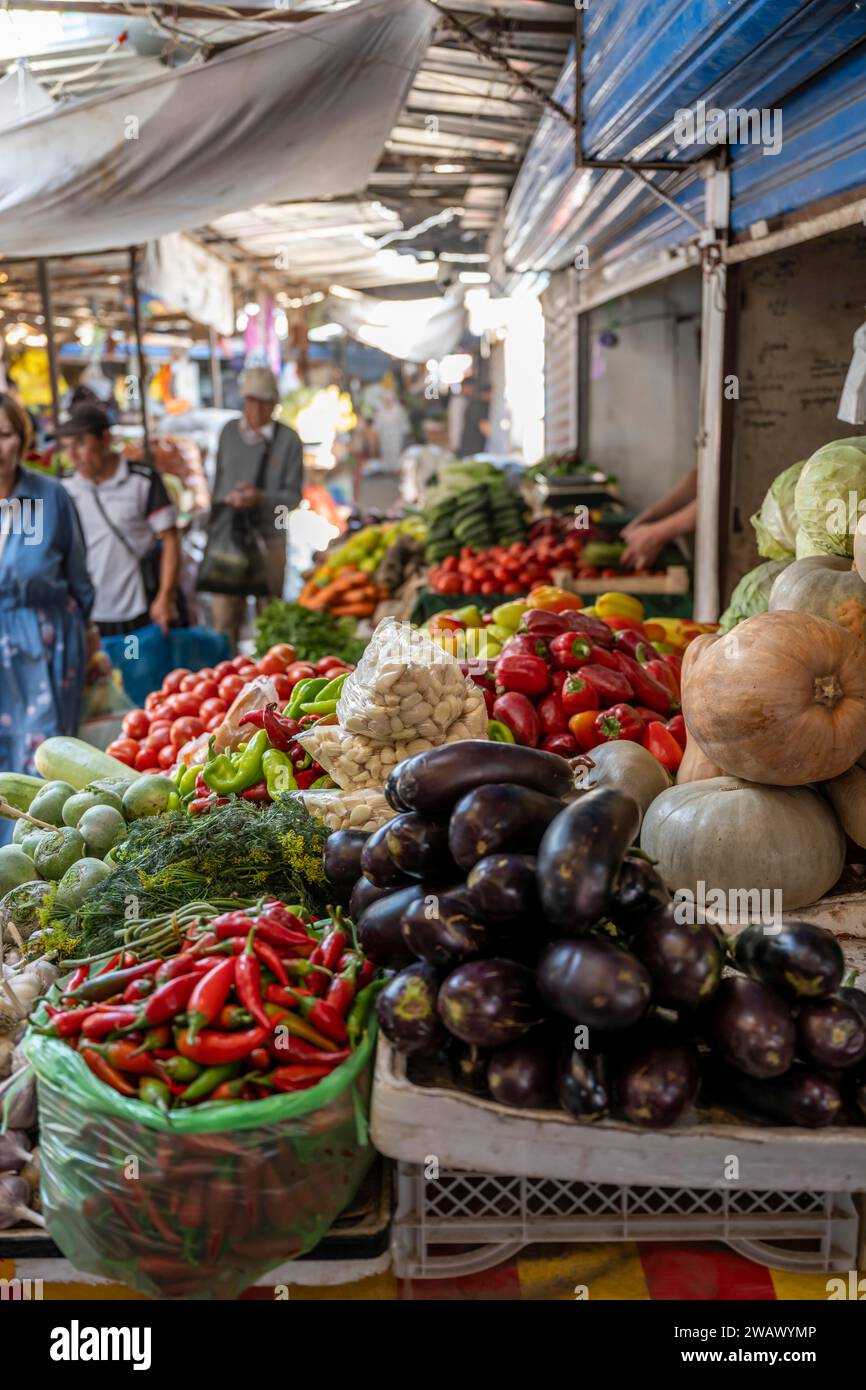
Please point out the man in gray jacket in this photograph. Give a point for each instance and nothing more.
(256, 446)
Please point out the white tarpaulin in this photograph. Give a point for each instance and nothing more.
(300, 115)
(413, 330)
(183, 275)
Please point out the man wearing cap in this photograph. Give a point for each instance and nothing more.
(129, 527)
(256, 449)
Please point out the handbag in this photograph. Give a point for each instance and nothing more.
(234, 557)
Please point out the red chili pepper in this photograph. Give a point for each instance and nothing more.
(620, 722)
(212, 1048)
(201, 787)
(341, 991)
(202, 805)
(295, 1078)
(128, 959)
(296, 1050)
(646, 689)
(268, 956)
(260, 1058)
(612, 687)
(209, 994)
(139, 989)
(248, 981)
(169, 1000)
(111, 964)
(267, 929)
(231, 1017)
(275, 911)
(156, 1040)
(124, 1056)
(258, 794)
(305, 779)
(66, 1023)
(322, 1017)
(77, 978)
(231, 924)
(366, 974)
(101, 1022)
(256, 717)
(677, 727)
(279, 729)
(179, 965)
(663, 746)
(577, 695)
(528, 675)
(107, 1073)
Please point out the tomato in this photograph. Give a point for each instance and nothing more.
(167, 756)
(326, 662)
(271, 665)
(300, 671)
(188, 684)
(211, 707)
(125, 750)
(182, 730)
(186, 703)
(206, 673)
(282, 685)
(158, 739)
(146, 758)
(240, 661)
(222, 669)
(171, 684)
(205, 690)
(230, 687)
(136, 724)
(161, 723)
(213, 723)
(154, 700)
(285, 652)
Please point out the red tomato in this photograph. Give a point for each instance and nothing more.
(240, 661)
(213, 723)
(167, 756)
(179, 705)
(271, 665)
(206, 673)
(136, 724)
(300, 671)
(158, 739)
(146, 758)
(125, 750)
(161, 724)
(211, 707)
(205, 690)
(285, 651)
(223, 669)
(154, 700)
(182, 730)
(282, 685)
(230, 687)
(326, 662)
(174, 678)
(188, 684)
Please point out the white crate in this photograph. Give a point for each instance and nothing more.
(496, 1216)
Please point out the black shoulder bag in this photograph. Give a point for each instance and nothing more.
(234, 556)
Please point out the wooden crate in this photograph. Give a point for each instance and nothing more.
(673, 580)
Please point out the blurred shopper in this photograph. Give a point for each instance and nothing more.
(391, 424)
(259, 470)
(673, 517)
(45, 599)
(475, 431)
(128, 519)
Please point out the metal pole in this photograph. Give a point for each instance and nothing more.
(136, 318)
(578, 86)
(215, 372)
(711, 495)
(48, 315)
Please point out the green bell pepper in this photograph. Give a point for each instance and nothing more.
(499, 732)
(229, 775)
(279, 773)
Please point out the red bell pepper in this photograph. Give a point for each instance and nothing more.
(677, 727)
(647, 690)
(661, 672)
(518, 714)
(598, 633)
(620, 722)
(674, 660)
(562, 743)
(662, 744)
(617, 624)
(577, 694)
(541, 623)
(634, 645)
(527, 644)
(649, 716)
(527, 675)
(612, 687)
(583, 730)
(570, 650)
(551, 712)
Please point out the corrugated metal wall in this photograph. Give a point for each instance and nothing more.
(559, 305)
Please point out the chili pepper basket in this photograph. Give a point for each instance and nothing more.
(196, 1203)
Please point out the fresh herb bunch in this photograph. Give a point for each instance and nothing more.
(235, 851)
(313, 635)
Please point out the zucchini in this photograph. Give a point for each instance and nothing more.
(18, 789)
(76, 762)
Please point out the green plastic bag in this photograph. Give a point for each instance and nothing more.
(198, 1203)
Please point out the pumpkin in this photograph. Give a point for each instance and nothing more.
(630, 768)
(827, 586)
(734, 835)
(779, 699)
(847, 796)
(696, 766)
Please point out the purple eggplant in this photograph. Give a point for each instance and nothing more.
(831, 1033)
(406, 1010)
(684, 961)
(433, 782)
(751, 1026)
(801, 1097)
(490, 1002)
(418, 847)
(364, 894)
(342, 857)
(498, 819)
(581, 856)
(584, 1090)
(469, 1066)
(380, 928)
(798, 959)
(855, 997)
(638, 891)
(376, 861)
(441, 929)
(503, 888)
(590, 980)
(659, 1081)
(521, 1074)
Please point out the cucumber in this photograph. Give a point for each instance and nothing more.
(76, 762)
(18, 789)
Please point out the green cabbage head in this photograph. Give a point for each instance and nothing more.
(776, 522)
(830, 497)
(752, 594)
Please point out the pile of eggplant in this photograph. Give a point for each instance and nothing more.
(539, 951)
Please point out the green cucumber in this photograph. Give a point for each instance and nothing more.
(76, 762)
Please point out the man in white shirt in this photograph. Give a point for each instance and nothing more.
(126, 516)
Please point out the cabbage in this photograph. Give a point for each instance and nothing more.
(752, 594)
(776, 522)
(830, 496)
(804, 548)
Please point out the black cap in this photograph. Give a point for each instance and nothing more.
(85, 419)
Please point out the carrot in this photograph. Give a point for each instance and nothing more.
(365, 595)
(352, 610)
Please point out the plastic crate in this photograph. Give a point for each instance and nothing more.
(492, 1217)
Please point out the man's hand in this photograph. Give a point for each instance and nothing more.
(245, 496)
(644, 545)
(162, 611)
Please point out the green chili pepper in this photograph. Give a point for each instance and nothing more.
(320, 707)
(333, 688)
(304, 691)
(181, 1069)
(209, 1079)
(279, 773)
(320, 782)
(230, 775)
(499, 732)
(154, 1092)
(361, 1009)
(187, 779)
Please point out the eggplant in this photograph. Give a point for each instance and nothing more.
(441, 930)
(521, 1074)
(490, 1002)
(581, 855)
(638, 891)
(469, 1065)
(497, 819)
(376, 861)
(855, 997)
(592, 981)
(684, 961)
(364, 894)
(379, 928)
(406, 1010)
(342, 857)
(751, 1026)
(801, 1097)
(433, 782)
(502, 888)
(417, 846)
(831, 1032)
(659, 1081)
(800, 960)
(583, 1084)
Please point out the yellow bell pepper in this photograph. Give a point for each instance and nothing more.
(552, 599)
(616, 605)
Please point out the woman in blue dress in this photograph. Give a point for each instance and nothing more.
(45, 600)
